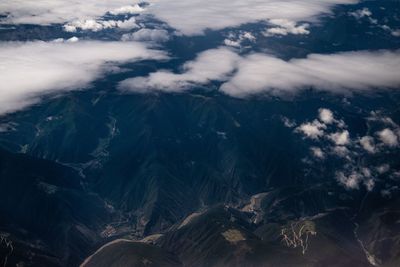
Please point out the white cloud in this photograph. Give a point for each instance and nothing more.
(388, 137)
(188, 16)
(395, 33)
(326, 116)
(28, 70)
(147, 35)
(377, 116)
(288, 123)
(286, 27)
(44, 12)
(211, 65)
(365, 13)
(233, 43)
(313, 130)
(354, 178)
(368, 144)
(235, 40)
(341, 151)
(132, 9)
(247, 36)
(361, 13)
(350, 181)
(259, 73)
(340, 138)
(73, 40)
(317, 152)
(341, 73)
(351, 152)
(98, 25)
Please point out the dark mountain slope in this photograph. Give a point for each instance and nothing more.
(125, 253)
(45, 212)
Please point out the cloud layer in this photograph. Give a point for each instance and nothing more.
(260, 73)
(45, 12)
(27, 70)
(341, 72)
(194, 16)
(188, 16)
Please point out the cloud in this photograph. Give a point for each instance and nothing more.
(341, 151)
(384, 168)
(317, 152)
(369, 184)
(388, 137)
(366, 13)
(147, 35)
(340, 138)
(361, 13)
(236, 40)
(45, 12)
(326, 115)
(378, 116)
(233, 43)
(187, 16)
(368, 144)
(73, 39)
(339, 73)
(259, 73)
(353, 178)
(350, 181)
(211, 65)
(395, 33)
(98, 25)
(356, 167)
(313, 130)
(286, 27)
(288, 123)
(28, 70)
(133, 9)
